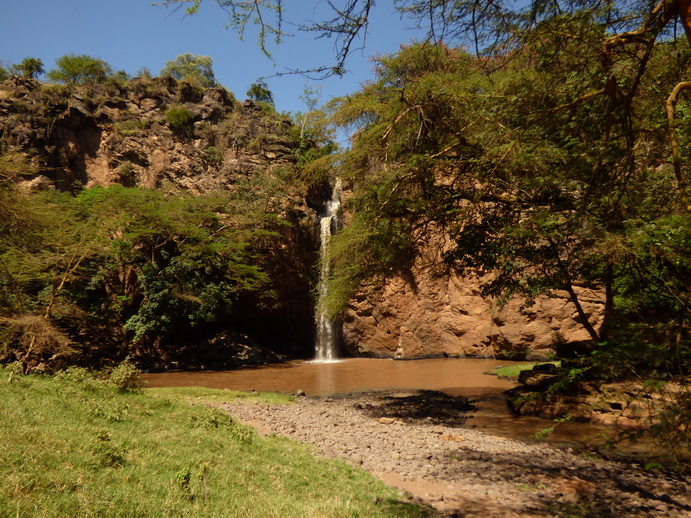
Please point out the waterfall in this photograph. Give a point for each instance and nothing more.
(325, 347)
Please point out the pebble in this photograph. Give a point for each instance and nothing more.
(480, 474)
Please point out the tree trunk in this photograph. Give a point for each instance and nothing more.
(582, 314)
(684, 10)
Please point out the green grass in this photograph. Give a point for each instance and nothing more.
(512, 371)
(72, 446)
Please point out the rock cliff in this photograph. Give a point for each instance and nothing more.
(432, 311)
(123, 132)
(119, 133)
(161, 133)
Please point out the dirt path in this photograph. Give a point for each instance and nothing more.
(461, 471)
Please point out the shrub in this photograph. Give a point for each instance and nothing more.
(34, 339)
(179, 118)
(259, 92)
(126, 377)
(130, 127)
(198, 69)
(213, 155)
(80, 377)
(30, 67)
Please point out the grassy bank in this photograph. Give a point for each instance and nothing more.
(512, 371)
(74, 446)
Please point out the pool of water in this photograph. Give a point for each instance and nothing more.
(455, 376)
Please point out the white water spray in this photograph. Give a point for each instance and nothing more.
(325, 347)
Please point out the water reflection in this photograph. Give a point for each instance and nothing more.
(454, 376)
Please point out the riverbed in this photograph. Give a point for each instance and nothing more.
(470, 465)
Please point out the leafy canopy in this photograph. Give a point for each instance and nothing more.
(140, 264)
(30, 68)
(191, 68)
(488, 28)
(543, 192)
(79, 69)
(259, 91)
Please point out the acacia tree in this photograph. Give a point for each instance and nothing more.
(492, 28)
(191, 67)
(79, 69)
(30, 67)
(546, 185)
(259, 91)
(488, 27)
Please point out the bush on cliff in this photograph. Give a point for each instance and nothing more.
(179, 118)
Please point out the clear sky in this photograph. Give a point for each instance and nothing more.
(132, 34)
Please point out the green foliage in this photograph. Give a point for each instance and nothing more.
(367, 249)
(119, 77)
(107, 454)
(4, 74)
(79, 69)
(125, 377)
(80, 377)
(671, 426)
(69, 450)
(30, 68)
(546, 432)
(536, 190)
(213, 155)
(16, 218)
(512, 371)
(315, 139)
(136, 262)
(179, 118)
(190, 67)
(130, 127)
(259, 92)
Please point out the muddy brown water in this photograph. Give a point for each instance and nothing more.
(453, 376)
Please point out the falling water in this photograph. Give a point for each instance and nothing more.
(325, 347)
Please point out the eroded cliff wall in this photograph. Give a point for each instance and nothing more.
(433, 311)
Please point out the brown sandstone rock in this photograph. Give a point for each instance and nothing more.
(434, 312)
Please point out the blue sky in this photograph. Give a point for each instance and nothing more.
(132, 34)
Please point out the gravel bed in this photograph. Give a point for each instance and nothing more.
(460, 471)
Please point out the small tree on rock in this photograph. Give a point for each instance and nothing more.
(191, 67)
(259, 91)
(79, 70)
(30, 68)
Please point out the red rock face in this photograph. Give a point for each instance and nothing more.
(433, 313)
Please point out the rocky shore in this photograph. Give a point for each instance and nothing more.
(417, 442)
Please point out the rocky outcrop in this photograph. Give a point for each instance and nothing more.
(626, 404)
(123, 132)
(118, 133)
(432, 311)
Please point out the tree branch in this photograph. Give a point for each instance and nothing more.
(670, 104)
